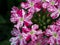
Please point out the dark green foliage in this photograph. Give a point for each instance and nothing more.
(42, 19)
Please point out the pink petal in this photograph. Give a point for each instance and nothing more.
(45, 5)
(19, 12)
(25, 5)
(25, 29)
(23, 13)
(58, 22)
(33, 1)
(39, 32)
(15, 32)
(14, 9)
(32, 10)
(35, 26)
(54, 15)
(54, 27)
(19, 25)
(37, 6)
(51, 8)
(28, 38)
(27, 23)
(48, 32)
(29, 16)
(33, 37)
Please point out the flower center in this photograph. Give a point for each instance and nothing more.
(52, 3)
(31, 4)
(21, 19)
(59, 11)
(21, 37)
(32, 32)
(55, 35)
(38, 44)
(43, 0)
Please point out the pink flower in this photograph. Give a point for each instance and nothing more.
(15, 32)
(14, 16)
(56, 13)
(40, 41)
(25, 29)
(45, 5)
(37, 42)
(20, 17)
(32, 5)
(19, 39)
(34, 43)
(32, 32)
(52, 9)
(54, 27)
(58, 22)
(50, 5)
(53, 2)
(54, 35)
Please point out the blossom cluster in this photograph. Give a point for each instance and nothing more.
(25, 32)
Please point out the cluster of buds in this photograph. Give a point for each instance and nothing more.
(25, 32)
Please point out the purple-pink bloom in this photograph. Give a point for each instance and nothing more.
(19, 38)
(20, 17)
(58, 22)
(32, 5)
(54, 35)
(50, 5)
(14, 16)
(40, 41)
(56, 13)
(32, 32)
(52, 9)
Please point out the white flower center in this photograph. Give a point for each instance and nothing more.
(21, 19)
(31, 4)
(59, 11)
(43, 0)
(55, 35)
(32, 32)
(52, 3)
(21, 37)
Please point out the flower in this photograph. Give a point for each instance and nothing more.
(40, 41)
(19, 38)
(32, 32)
(50, 5)
(52, 9)
(56, 13)
(32, 5)
(14, 16)
(20, 17)
(45, 5)
(54, 34)
(58, 22)
(50, 2)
